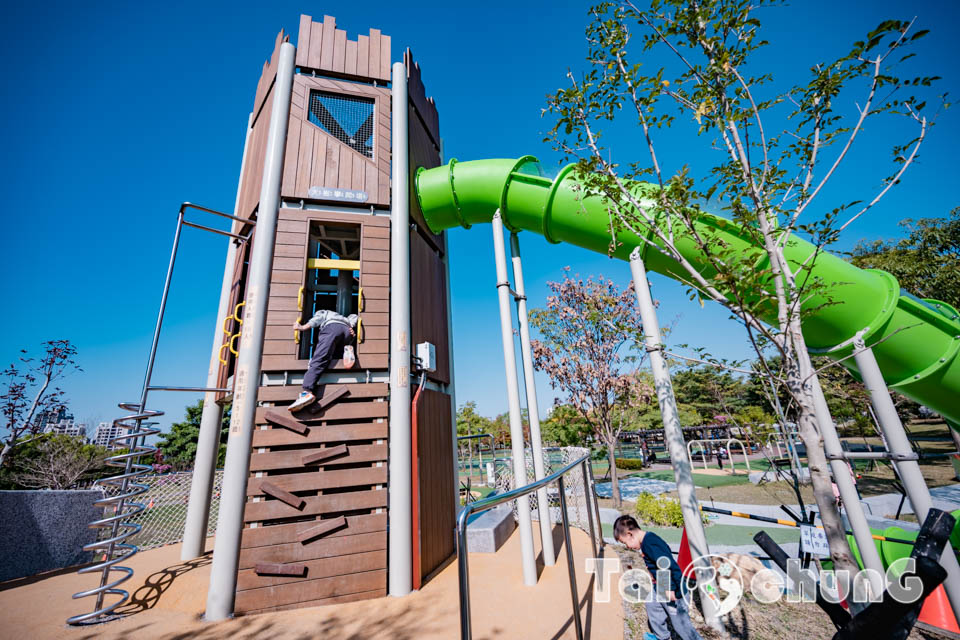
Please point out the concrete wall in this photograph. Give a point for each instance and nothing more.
(45, 530)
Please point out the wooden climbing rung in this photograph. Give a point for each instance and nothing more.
(326, 400)
(279, 569)
(325, 526)
(324, 454)
(283, 495)
(285, 420)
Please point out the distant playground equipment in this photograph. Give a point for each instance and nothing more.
(706, 451)
(488, 471)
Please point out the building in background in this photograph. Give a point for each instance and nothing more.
(105, 433)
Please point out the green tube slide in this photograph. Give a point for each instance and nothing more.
(916, 341)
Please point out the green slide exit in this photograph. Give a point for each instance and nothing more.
(916, 341)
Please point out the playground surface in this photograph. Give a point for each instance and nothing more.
(168, 598)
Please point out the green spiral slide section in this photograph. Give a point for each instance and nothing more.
(915, 341)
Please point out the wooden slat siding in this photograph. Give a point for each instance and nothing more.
(327, 547)
(375, 293)
(318, 165)
(297, 239)
(287, 459)
(326, 455)
(373, 65)
(288, 393)
(426, 108)
(374, 267)
(428, 304)
(372, 225)
(375, 319)
(350, 62)
(287, 347)
(282, 263)
(375, 255)
(342, 410)
(339, 50)
(287, 533)
(333, 503)
(329, 35)
(285, 277)
(378, 243)
(385, 56)
(316, 44)
(437, 494)
(323, 568)
(303, 40)
(374, 362)
(379, 233)
(316, 479)
(372, 306)
(332, 169)
(306, 591)
(291, 155)
(280, 569)
(288, 251)
(353, 597)
(363, 55)
(345, 177)
(377, 280)
(318, 434)
(305, 158)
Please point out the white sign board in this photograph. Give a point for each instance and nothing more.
(814, 541)
(346, 195)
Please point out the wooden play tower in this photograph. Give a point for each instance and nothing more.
(315, 520)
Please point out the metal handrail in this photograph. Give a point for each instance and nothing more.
(485, 504)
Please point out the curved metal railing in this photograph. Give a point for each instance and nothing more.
(114, 548)
(485, 504)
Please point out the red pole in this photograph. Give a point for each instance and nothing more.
(415, 492)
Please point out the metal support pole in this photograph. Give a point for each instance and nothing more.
(848, 492)
(400, 515)
(226, 556)
(909, 470)
(344, 291)
(208, 442)
(571, 569)
(673, 436)
(513, 400)
(533, 408)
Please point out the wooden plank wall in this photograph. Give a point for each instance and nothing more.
(315, 158)
(289, 274)
(347, 562)
(438, 495)
(256, 147)
(428, 323)
(323, 47)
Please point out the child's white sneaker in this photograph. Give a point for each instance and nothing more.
(349, 357)
(303, 400)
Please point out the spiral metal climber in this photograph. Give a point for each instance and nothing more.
(121, 507)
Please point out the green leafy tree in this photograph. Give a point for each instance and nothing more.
(926, 262)
(55, 461)
(179, 445)
(589, 336)
(779, 149)
(565, 427)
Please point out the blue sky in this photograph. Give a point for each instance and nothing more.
(116, 112)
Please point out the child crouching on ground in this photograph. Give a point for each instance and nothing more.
(653, 547)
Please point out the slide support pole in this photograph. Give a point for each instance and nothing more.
(843, 477)
(208, 442)
(400, 515)
(528, 560)
(533, 408)
(909, 470)
(673, 435)
(233, 498)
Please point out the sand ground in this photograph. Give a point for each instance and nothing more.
(168, 599)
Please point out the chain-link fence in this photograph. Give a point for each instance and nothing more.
(577, 487)
(165, 515)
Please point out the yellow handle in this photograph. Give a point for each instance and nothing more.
(232, 341)
(236, 311)
(300, 299)
(360, 301)
(359, 330)
(225, 321)
(223, 360)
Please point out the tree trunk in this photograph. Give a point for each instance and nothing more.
(820, 471)
(956, 443)
(614, 483)
(7, 447)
